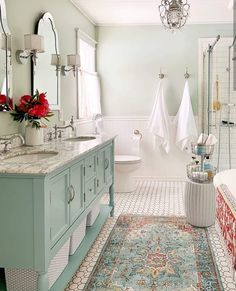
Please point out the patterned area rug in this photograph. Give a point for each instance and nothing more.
(155, 253)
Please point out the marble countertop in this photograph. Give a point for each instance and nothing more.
(66, 151)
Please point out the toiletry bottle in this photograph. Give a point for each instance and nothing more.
(208, 167)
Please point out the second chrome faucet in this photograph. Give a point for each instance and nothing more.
(57, 128)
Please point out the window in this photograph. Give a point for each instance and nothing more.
(89, 84)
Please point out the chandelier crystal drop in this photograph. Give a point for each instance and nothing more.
(174, 13)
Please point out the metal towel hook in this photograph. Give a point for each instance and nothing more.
(137, 132)
(161, 75)
(186, 75)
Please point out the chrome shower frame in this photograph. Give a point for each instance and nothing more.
(229, 105)
(209, 80)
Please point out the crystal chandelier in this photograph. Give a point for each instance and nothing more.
(174, 13)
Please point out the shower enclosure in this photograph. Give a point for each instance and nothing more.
(217, 102)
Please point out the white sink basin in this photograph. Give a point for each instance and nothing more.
(81, 138)
(31, 157)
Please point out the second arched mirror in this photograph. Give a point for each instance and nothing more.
(5, 61)
(45, 77)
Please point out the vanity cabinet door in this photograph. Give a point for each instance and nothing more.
(108, 163)
(59, 205)
(100, 170)
(76, 190)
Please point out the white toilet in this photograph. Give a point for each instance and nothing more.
(125, 167)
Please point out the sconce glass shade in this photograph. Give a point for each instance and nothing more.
(55, 60)
(73, 60)
(34, 42)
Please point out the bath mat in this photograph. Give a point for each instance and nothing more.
(155, 253)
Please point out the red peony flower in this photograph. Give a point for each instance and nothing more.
(42, 99)
(25, 99)
(31, 108)
(23, 107)
(3, 99)
(38, 111)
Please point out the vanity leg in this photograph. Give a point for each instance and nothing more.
(42, 282)
(111, 202)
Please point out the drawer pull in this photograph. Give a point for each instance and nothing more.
(106, 164)
(90, 166)
(70, 195)
(73, 193)
(90, 190)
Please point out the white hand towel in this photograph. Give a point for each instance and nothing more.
(202, 138)
(159, 122)
(211, 140)
(186, 130)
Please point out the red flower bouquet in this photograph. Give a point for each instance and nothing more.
(5, 103)
(32, 108)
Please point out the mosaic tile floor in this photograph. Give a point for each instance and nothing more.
(163, 198)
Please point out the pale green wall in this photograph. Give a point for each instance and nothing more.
(22, 16)
(129, 59)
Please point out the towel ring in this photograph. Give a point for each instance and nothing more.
(186, 75)
(137, 132)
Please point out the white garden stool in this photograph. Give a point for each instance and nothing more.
(200, 203)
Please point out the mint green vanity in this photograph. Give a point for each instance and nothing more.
(43, 203)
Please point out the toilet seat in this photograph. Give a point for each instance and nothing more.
(126, 159)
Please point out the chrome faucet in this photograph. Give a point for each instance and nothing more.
(8, 140)
(56, 127)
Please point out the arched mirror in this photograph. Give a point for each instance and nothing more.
(45, 76)
(5, 61)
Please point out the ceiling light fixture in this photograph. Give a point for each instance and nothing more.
(174, 13)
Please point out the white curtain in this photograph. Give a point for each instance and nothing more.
(89, 101)
(87, 56)
(89, 84)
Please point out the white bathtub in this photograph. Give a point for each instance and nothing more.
(227, 178)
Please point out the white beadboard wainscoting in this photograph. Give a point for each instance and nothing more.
(155, 163)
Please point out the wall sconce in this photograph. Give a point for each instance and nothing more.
(73, 62)
(33, 45)
(56, 61)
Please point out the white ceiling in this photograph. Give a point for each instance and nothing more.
(120, 12)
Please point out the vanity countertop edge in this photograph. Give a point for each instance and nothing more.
(67, 152)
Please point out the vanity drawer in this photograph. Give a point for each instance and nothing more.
(90, 191)
(90, 167)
